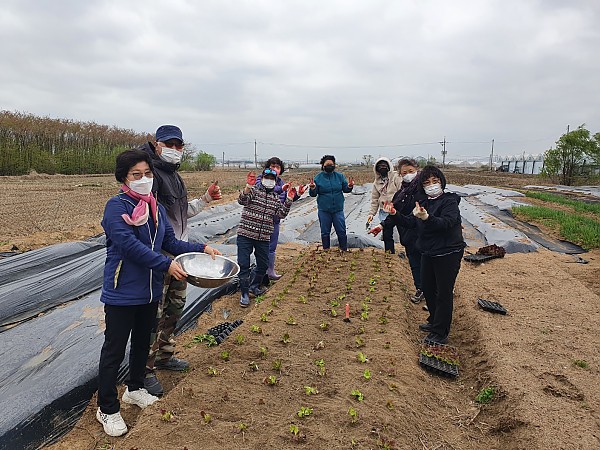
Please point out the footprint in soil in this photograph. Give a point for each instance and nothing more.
(560, 386)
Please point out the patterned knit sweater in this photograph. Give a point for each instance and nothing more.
(259, 208)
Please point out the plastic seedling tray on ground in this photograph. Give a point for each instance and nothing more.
(432, 364)
(440, 359)
(479, 258)
(221, 331)
(493, 307)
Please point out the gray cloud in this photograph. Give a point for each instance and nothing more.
(332, 74)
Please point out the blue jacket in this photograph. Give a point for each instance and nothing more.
(135, 267)
(329, 190)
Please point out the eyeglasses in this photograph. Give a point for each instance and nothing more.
(174, 144)
(270, 172)
(139, 175)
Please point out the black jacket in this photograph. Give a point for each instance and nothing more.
(404, 202)
(441, 233)
(170, 190)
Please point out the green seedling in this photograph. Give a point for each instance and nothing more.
(334, 303)
(259, 299)
(348, 287)
(321, 365)
(206, 417)
(367, 374)
(324, 326)
(294, 430)
(390, 405)
(285, 290)
(353, 413)
(341, 297)
(302, 299)
(277, 365)
(372, 289)
(239, 339)
(274, 303)
(364, 315)
(225, 355)
(382, 320)
(271, 380)
(387, 345)
(304, 411)
(208, 339)
(361, 330)
(242, 427)
(352, 277)
(309, 390)
(358, 395)
(256, 329)
(385, 444)
(486, 395)
(263, 352)
(581, 363)
(359, 342)
(280, 296)
(365, 307)
(333, 312)
(372, 281)
(167, 416)
(291, 321)
(264, 318)
(285, 338)
(212, 371)
(362, 357)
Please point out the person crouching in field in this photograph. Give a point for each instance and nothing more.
(436, 218)
(137, 230)
(261, 204)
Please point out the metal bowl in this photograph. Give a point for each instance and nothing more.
(205, 272)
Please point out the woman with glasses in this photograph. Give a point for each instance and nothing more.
(261, 204)
(280, 189)
(137, 231)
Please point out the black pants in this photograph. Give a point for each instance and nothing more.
(388, 237)
(138, 320)
(438, 275)
(414, 260)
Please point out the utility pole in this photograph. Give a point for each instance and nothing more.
(223, 159)
(492, 156)
(444, 152)
(255, 158)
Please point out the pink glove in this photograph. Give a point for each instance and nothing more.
(301, 189)
(251, 179)
(375, 231)
(388, 207)
(291, 193)
(214, 191)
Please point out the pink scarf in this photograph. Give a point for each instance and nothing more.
(139, 216)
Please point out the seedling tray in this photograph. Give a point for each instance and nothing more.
(438, 367)
(492, 307)
(221, 331)
(479, 258)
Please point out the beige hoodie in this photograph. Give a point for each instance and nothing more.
(384, 191)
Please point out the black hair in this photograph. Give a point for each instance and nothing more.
(407, 162)
(129, 158)
(432, 171)
(383, 161)
(326, 157)
(275, 160)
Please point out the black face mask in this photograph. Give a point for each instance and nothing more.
(383, 171)
(329, 168)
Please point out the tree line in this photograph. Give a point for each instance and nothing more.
(46, 145)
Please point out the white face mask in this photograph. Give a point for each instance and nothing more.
(170, 155)
(433, 190)
(268, 184)
(142, 186)
(409, 177)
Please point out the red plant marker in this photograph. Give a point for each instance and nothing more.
(347, 318)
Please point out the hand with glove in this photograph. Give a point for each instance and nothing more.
(419, 212)
(311, 184)
(291, 193)
(301, 189)
(212, 193)
(375, 231)
(351, 182)
(285, 187)
(250, 179)
(388, 207)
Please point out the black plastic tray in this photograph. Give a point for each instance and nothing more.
(493, 307)
(221, 331)
(439, 367)
(479, 258)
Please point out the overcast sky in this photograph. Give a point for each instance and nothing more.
(360, 77)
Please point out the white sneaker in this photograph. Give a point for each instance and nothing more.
(141, 397)
(113, 424)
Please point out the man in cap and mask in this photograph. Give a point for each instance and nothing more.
(166, 153)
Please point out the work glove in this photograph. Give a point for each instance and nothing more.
(212, 193)
(301, 189)
(419, 212)
(250, 179)
(375, 231)
(388, 207)
(291, 193)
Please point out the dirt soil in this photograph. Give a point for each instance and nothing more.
(541, 359)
